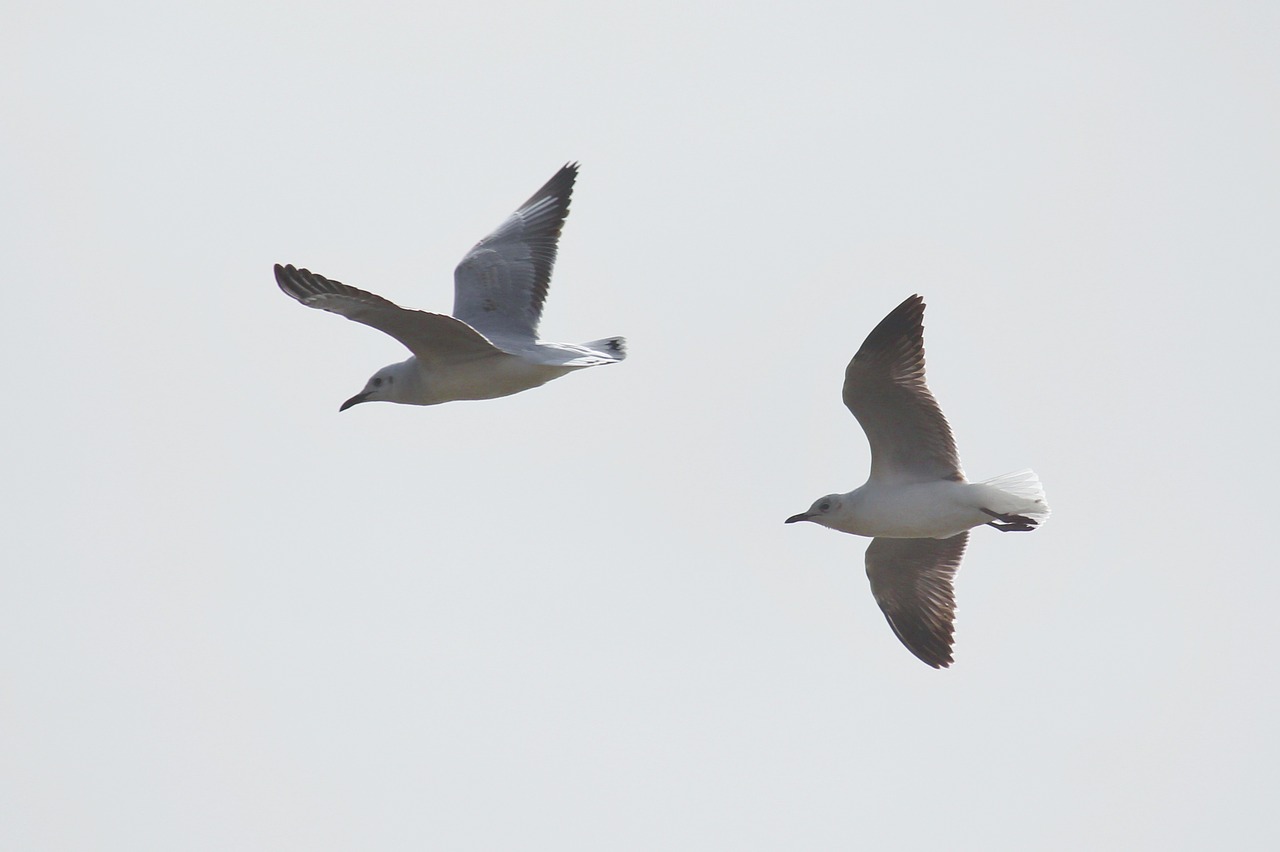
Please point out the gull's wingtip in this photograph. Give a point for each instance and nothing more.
(902, 327)
(284, 279)
(910, 306)
(294, 282)
(909, 311)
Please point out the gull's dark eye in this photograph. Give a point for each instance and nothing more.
(377, 383)
(824, 506)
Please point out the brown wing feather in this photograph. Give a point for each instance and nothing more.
(431, 337)
(911, 579)
(885, 389)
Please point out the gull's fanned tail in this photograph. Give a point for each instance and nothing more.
(613, 348)
(1024, 492)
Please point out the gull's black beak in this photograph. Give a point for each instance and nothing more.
(803, 516)
(355, 400)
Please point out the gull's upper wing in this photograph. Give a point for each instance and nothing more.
(500, 286)
(911, 580)
(434, 338)
(884, 388)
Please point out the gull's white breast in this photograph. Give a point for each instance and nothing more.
(487, 378)
(938, 509)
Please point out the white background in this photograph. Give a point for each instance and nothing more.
(573, 619)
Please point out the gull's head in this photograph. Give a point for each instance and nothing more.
(382, 386)
(821, 511)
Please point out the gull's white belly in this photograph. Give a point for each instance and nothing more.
(938, 509)
(487, 378)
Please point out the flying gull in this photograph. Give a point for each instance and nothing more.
(489, 347)
(916, 506)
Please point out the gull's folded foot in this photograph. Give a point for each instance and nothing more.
(1010, 523)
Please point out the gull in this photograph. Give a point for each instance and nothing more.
(917, 506)
(489, 347)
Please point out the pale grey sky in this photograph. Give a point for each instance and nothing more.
(573, 619)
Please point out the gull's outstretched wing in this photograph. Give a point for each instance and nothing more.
(911, 579)
(434, 338)
(884, 388)
(500, 286)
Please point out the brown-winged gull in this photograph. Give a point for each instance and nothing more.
(917, 505)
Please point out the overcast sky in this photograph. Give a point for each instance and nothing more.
(572, 619)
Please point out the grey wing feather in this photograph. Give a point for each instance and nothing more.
(431, 337)
(500, 286)
(885, 389)
(912, 581)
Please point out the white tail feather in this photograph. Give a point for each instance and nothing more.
(613, 348)
(1025, 492)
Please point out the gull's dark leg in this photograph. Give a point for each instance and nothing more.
(1010, 523)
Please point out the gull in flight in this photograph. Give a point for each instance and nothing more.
(489, 347)
(917, 506)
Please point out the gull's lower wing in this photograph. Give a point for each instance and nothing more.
(433, 338)
(500, 286)
(912, 581)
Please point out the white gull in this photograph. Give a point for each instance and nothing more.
(489, 347)
(916, 505)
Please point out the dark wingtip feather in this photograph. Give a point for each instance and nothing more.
(903, 323)
(286, 280)
(933, 648)
(559, 186)
(302, 284)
